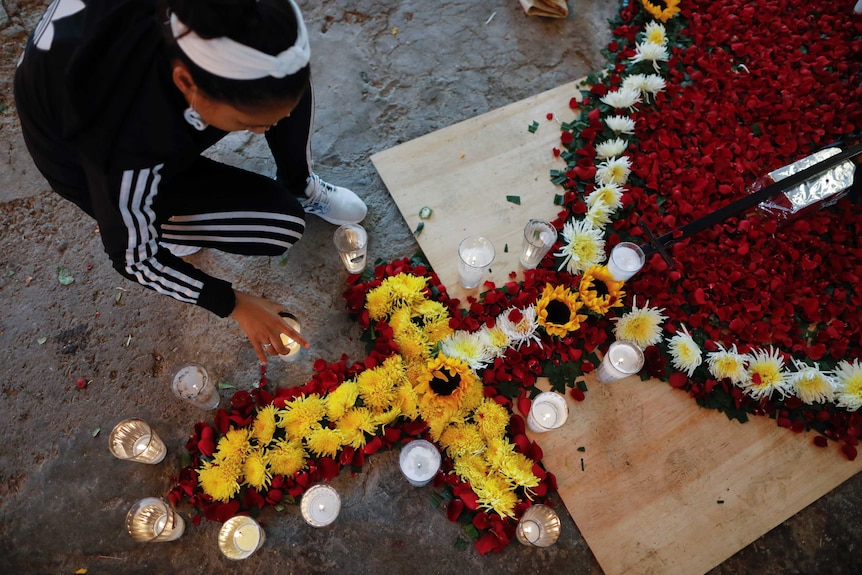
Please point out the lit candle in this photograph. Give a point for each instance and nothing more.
(626, 260)
(320, 505)
(549, 411)
(192, 384)
(419, 461)
(151, 519)
(293, 347)
(134, 440)
(624, 358)
(240, 536)
(539, 526)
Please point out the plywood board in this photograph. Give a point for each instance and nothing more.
(466, 171)
(663, 486)
(666, 487)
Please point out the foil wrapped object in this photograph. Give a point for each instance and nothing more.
(815, 193)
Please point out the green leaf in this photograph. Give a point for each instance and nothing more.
(419, 229)
(506, 248)
(472, 532)
(41, 340)
(533, 127)
(582, 449)
(225, 385)
(460, 544)
(96, 431)
(514, 199)
(558, 199)
(64, 276)
(425, 212)
(184, 458)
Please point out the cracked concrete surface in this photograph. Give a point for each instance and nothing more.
(385, 73)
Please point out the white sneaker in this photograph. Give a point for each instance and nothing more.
(180, 251)
(334, 204)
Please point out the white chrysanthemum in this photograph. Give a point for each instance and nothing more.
(620, 124)
(684, 352)
(655, 33)
(649, 52)
(623, 98)
(611, 148)
(522, 330)
(728, 364)
(599, 214)
(609, 194)
(812, 385)
(583, 246)
(614, 171)
(646, 84)
(849, 395)
(765, 374)
(640, 325)
(471, 348)
(495, 339)
(634, 82)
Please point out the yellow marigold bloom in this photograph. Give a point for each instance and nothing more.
(765, 374)
(341, 399)
(325, 442)
(286, 457)
(471, 469)
(599, 291)
(640, 325)
(302, 415)
(662, 14)
(449, 387)
(232, 446)
(557, 310)
(491, 419)
(255, 471)
(518, 468)
(497, 494)
(812, 385)
(221, 482)
(850, 380)
(462, 440)
(354, 424)
(377, 386)
(728, 364)
(264, 425)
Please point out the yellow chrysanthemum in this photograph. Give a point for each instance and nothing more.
(728, 364)
(301, 415)
(354, 424)
(662, 14)
(557, 310)
(812, 385)
(491, 419)
(387, 417)
(325, 442)
(462, 441)
(411, 339)
(221, 482)
(379, 303)
(416, 371)
(407, 400)
(341, 399)
(497, 494)
(377, 386)
(684, 352)
(286, 457)
(255, 471)
(498, 450)
(599, 291)
(640, 325)
(765, 374)
(450, 386)
(850, 379)
(232, 446)
(433, 317)
(407, 290)
(264, 425)
(471, 469)
(518, 468)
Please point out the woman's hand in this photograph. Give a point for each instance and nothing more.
(258, 317)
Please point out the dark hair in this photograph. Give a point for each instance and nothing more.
(269, 26)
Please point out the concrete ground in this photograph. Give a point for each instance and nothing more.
(385, 72)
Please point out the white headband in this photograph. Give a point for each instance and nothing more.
(230, 59)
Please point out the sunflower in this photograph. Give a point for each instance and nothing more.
(662, 14)
(448, 388)
(557, 311)
(286, 457)
(599, 291)
(219, 481)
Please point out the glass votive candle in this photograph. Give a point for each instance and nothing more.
(320, 505)
(419, 461)
(539, 238)
(548, 411)
(351, 241)
(192, 383)
(624, 358)
(475, 254)
(239, 537)
(151, 520)
(135, 440)
(626, 260)
(539, 526)
(293, 347)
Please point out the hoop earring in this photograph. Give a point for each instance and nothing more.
(192, 117)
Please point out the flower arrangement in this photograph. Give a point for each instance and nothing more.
(690, 112)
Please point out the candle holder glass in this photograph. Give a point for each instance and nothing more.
(539, 527)
(135, 440)
(539, 238)
(419, 461)
(320, 505)
(293, 347)
(626, 260)
(475, 255)
(624, 358)
(152, 520)
(239, 537)
(192, 384)
(548, 411)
